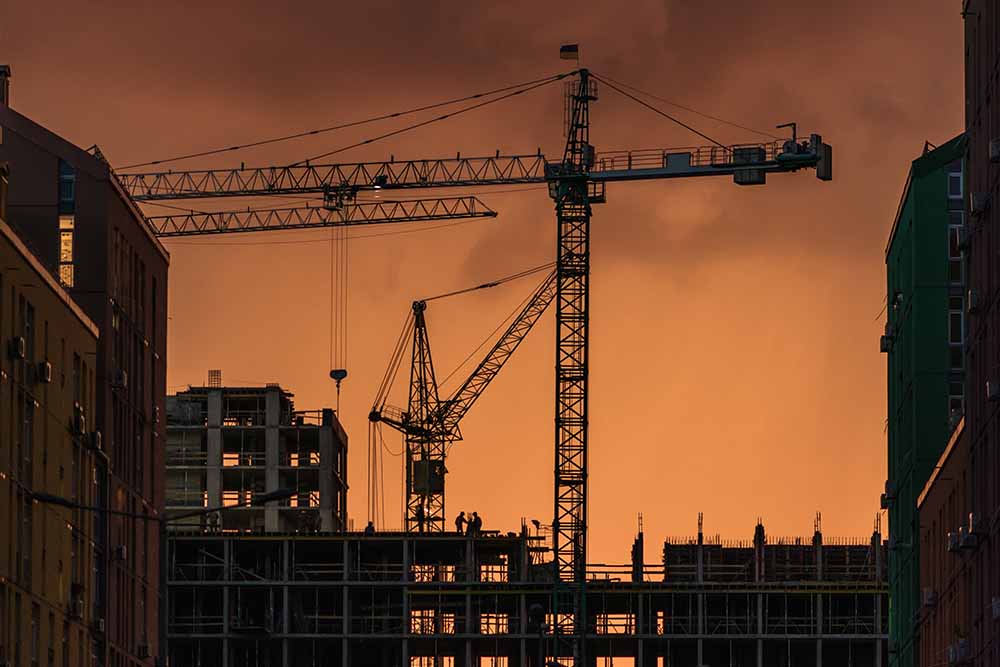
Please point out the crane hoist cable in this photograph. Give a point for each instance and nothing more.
(339, 271)
(342, 126)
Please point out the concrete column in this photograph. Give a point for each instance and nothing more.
(213, 470)
(522, 626)
(272, 419)
(640, 628)
(345, 651)
(326, 485)
(701, 596)
(760, 630)
(877, 546)
(226, 564)
(818, 547)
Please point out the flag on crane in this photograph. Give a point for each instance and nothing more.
(569, 52)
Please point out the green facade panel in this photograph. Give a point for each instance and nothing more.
(924, 338)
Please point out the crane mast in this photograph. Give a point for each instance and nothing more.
(570, 191)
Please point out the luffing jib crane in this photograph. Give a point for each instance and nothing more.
(429, 424)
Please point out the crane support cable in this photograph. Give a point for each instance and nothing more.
(493, 283)
(429, 121)
(342, 126)
(689, 109)
(660, 112)
(503, 323)
(461, 400)
(397, 356)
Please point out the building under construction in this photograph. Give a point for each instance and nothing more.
(226, 445)
(446, 599)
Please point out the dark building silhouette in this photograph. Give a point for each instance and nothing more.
(960, 505)
(68, 206)
(943, 611)
(227, 445)
(453, 600)
(48, 346)
(923, 339)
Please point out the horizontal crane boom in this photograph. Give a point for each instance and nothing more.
(747, 163)
(312, 217)
(263, 181)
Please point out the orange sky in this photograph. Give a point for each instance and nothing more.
(735, 365)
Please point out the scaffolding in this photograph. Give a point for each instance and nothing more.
(440, 600)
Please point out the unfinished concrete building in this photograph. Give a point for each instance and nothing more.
(451, 600)
(226, 444)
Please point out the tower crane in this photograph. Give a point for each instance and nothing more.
(576, 181)
(430, 425)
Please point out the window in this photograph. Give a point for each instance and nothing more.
(956, 331)
(67, 225)
(52, 633)
(955, 185)
(67, 188)
(36, 620)
(956, 398)
(956, 228)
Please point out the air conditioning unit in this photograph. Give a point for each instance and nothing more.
(76, 606)
(18, 347)
(95, 441)
(995, 150)
(973, 301)
(959, 653)
(993, 390)
(973, 524)
(121, 379)
(44, 372)
(79, 420)
(953, 541)
(961, 237)
(967, 540)
(887, 498)
(120, 552)
(142, 651)
(930, 597)
(978, 201)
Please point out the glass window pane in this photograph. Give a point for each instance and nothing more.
(65, 247)
(956, 358)
(955, 271)
(955, 185)
(66, 222)
(66, 274)
(955, 328)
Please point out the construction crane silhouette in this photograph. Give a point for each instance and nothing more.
(429, 424)
(576, 181)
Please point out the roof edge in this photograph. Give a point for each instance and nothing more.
(8, 232)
